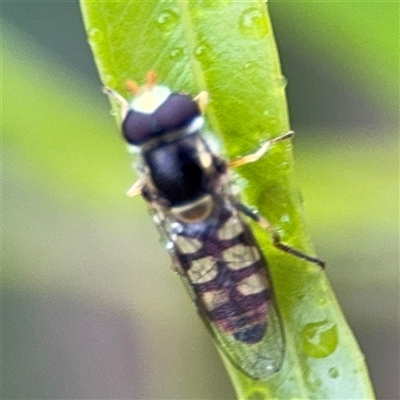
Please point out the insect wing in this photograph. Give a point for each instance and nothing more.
(257, 360)
(248, 329)
(225, 274)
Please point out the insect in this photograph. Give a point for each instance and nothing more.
(189, 194)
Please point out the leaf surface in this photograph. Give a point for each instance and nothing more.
(228, 49)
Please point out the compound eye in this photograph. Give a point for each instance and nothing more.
(138, 127)
(176, 112)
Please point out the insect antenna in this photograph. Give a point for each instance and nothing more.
(151, 79)
(132, 87)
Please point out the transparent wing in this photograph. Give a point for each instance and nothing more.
(257, 360)
(223, 314)
(248, 329)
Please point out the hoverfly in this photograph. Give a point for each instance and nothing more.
(189, 194)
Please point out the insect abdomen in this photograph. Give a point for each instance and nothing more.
(227, 272)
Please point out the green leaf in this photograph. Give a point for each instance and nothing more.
(228, 49)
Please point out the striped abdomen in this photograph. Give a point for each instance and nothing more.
(228, 275)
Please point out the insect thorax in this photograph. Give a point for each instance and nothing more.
(184, 174)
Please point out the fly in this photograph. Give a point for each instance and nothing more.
(188, 191)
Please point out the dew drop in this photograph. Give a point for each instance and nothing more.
(322, 301)
(253, 24)
(333, 372)
(319, 339)
(202, 52)
(167, 20)
(96, 35)
(176, 54)
(282, 81)
(285, 219)
(267, 113)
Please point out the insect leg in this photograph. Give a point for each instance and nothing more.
(124, 104)
(202, 99)
(136, 188)
(276, 239)
(260, 152)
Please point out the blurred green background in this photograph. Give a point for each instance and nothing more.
(90, 308)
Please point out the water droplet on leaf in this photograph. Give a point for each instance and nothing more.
(285, 219)
(96, 35)
(176, 54)
(322, 301)
(167, 20)
(202, 52)
(282, 81)
(333, 372)
(253, 24)
(320, 339)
